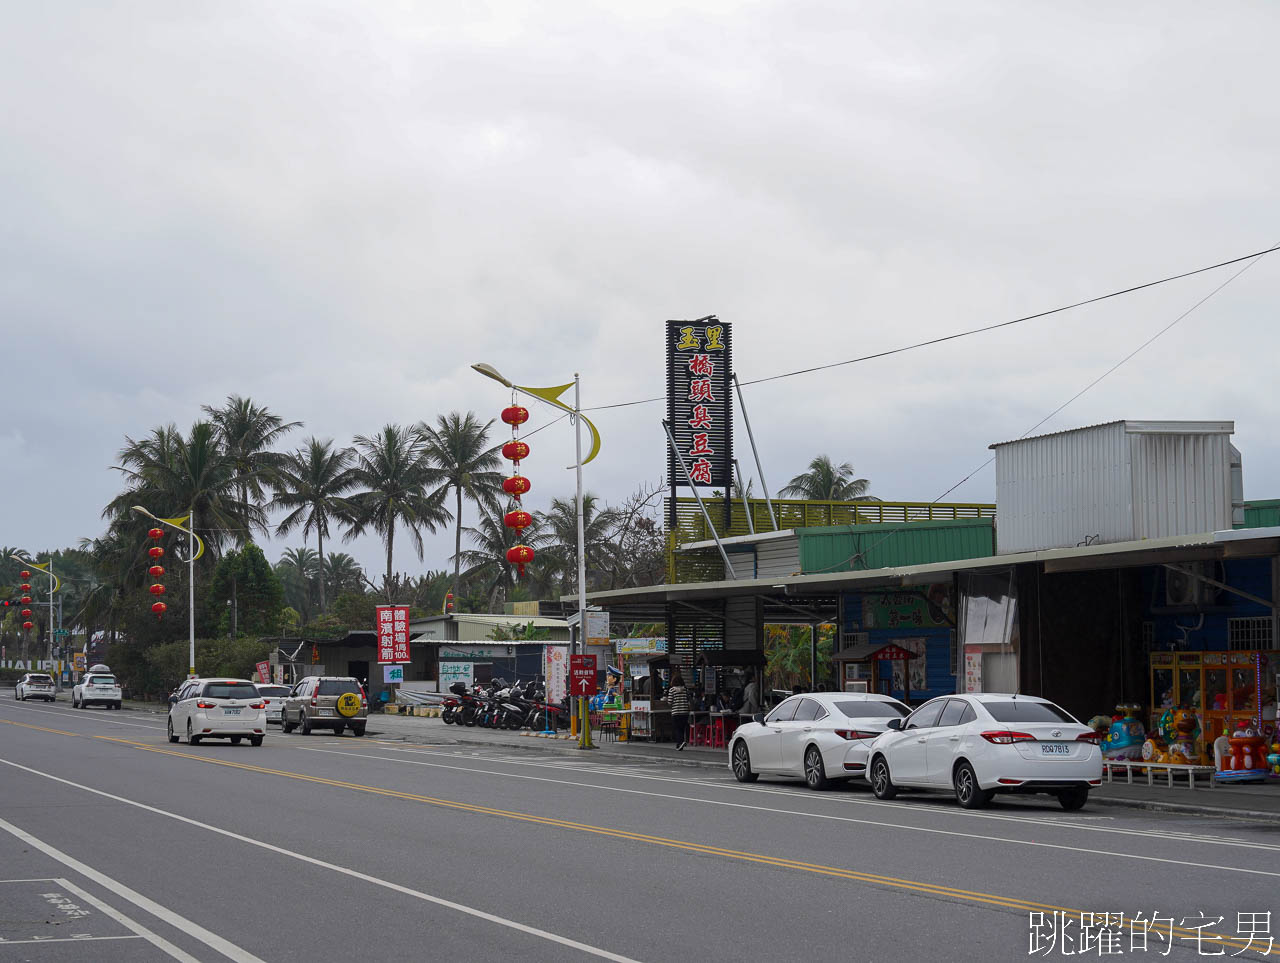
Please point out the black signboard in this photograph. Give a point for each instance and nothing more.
(700, 402)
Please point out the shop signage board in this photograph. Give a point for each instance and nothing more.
(700, 402)
(394, 673)
(555, 669)
(264, 671)
(582, 675)
(393, 633)
(650, 646)
(78, 661)
(906, 610)
(597, 628)
(451, 672)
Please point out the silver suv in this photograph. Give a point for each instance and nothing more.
(326, 702)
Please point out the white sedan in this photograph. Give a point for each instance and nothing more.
(979, 744)
(217, 709)
(273, 697)
(820, 736)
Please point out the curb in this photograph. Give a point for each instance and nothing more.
(1186, 809)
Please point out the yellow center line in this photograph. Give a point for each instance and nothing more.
(892, 882)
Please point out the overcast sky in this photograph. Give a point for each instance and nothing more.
(335, 208)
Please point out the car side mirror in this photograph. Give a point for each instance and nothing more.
(895, 724)
(173, 700)
(758, 717)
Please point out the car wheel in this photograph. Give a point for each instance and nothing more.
(357, 730)
(1073, 799)
(881, 782)
(255, 740)
(742, 763)
(75, 703)
(235, 740)
(339, 729)
(968, 793)
(284, 722)
(304, 724)
(192, 740)
(172, 735)
(815, 773)
(116, 707)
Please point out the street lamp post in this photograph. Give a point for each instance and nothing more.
(551, 396)
(47, 568)
(193, 553)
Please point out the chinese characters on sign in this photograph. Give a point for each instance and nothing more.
(1115, 934)
(699, 403)
(393, 633)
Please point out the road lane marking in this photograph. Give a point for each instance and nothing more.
(355, 874)
(65, 712)
(180, 923)
(928, 889)
(71, 939)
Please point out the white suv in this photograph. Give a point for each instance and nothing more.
(218, 709)
(34, 685)
(98, 686)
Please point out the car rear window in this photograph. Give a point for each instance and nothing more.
(1027, 711)
(274, 690)
(41, 680)
(102, 680)
(338, 686)
(231, 690)
(872, 710)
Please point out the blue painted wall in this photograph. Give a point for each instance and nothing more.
(1252, 575)
(939, 678)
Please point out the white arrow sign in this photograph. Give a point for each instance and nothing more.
(585, 683)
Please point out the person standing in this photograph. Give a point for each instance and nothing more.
(750, 697)
(678, 699)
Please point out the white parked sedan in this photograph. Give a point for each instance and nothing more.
(979, 744)
(217, 709)
(273, 697)
(820, 736)
(34, 685)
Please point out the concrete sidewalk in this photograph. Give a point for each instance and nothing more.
(1254, 801)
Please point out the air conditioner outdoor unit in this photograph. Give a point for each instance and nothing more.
(1181, 589)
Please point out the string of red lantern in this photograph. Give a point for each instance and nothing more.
(518, 519)
(26, 600)
(156, 570)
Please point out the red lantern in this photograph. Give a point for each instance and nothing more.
(155, 571)
(520, 556)
(515, 415)
(448, 602)
(156, 533)
(25, 574)
(157, 589)
(26, 586)
(516, 485)
(517, 520)
(26, 600)
(26, 613)
(515, 450)
(159, 608)
(28, 626)
(156, 551)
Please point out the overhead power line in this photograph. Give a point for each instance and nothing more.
(990, 327)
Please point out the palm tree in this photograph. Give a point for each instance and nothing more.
(342, 573)
(828, 482)
(171, 474)
(459, 449)
(558, 539)
(246, 432)
(299, 571)
(487, 562)
(392, 472)
(311, 482)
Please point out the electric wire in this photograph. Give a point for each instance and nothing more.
(981, 330)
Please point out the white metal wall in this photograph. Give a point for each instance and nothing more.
(775, 558)
(1056, 491)
(1181, 483)
(740, 627)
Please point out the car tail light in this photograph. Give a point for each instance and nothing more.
(257, 705)
(1005, 737)
(206, 705)
(1094, 737)
(313, 700)
(855, 734)
(1011, 782)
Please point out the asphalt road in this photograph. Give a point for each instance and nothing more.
(115, 845)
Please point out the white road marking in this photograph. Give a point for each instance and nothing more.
(313, 861)
(71, 939)
(180, 923)
(795, 812)
(62, 713)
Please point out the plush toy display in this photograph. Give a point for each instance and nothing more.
(1241, 757)
(1124, 734)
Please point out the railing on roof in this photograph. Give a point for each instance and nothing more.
(691, 526)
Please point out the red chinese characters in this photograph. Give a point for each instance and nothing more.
(393, 633)
(700, 472)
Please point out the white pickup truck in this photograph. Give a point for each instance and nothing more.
(98, 686)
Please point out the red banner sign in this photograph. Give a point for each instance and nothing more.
(393, 634)
(582, 675)
(264, 671)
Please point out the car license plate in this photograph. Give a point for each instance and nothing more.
(1054, 749)
(326, 712)
(231, 712)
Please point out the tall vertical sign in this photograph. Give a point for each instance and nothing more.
(700, 403)
(393, 634)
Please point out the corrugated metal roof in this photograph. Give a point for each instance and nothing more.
(1132, 426)
(844, 548)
